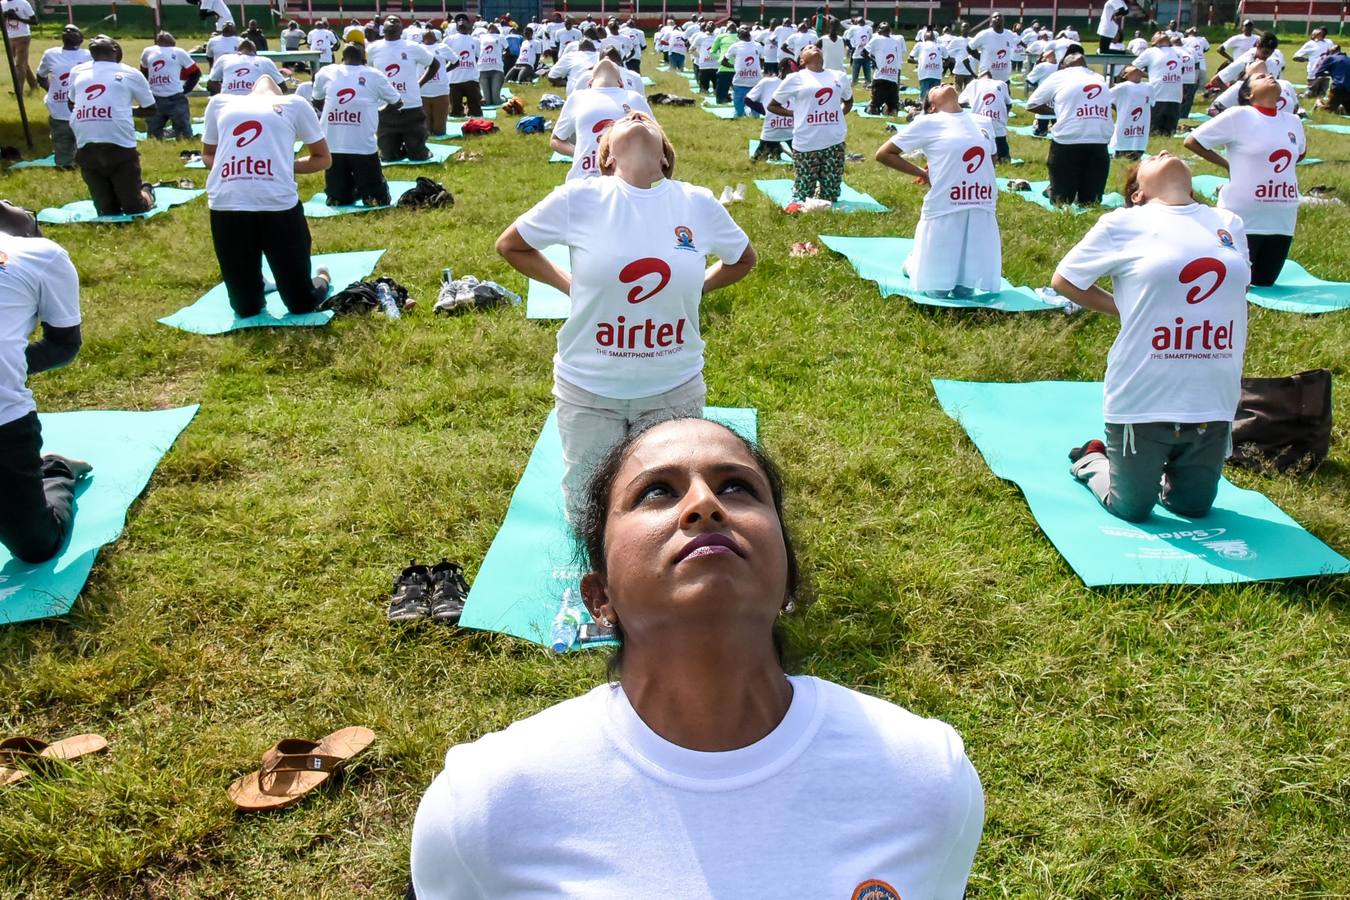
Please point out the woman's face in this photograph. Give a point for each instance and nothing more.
(632, 138)
(692, 537)
(1265, 89)
(1158, 175)
(943, 99)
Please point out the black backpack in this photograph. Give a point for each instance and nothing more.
(427, 193)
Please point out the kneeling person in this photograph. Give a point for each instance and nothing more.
(348, 97)
(102, 93)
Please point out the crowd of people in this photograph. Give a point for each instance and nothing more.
(689, 559)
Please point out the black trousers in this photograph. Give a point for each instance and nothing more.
(885, 97)
(460, 92)
(402, 134)
(37, 496)
(770, 150)
(634, 64)
(1267, 253)
(1001, 148)
(707, 80)
(1166, 115)
(724, 86)
(355, 176)
(113, 176)
(1078, 172)
(242, 239)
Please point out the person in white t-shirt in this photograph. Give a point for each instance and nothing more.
(1163, 63)
(859, 35)
(1316, 49)
(491, 74)
(322, 41)
(885, 55)
(1288, 101)
(172, 75)
(402, 132)
(220, 44)
(236, 73)
(782, 33)
(53, 74)
(1133, 101)
(988, 97)
(928, 58)
(705, 64)
(1078, 159)
(1112, 24)
(744, 56)
(249, 147)
(833, 48)
(1179, 276)
(630, 350)
(19, 21)
(776, 132)
(38, 285)
(588, 113)
(436, 89)
(702, 768)
(216, 10)
(464, 86)
(1038, 73)
(349, 97)
(1137, 45)
(1190, 77)
(1266, 51)
(105, 96)
(957, 50)
(1241, 42)
(1263, 148)
(957, 247)
(524, 69)
(819, 101)
(995, 46)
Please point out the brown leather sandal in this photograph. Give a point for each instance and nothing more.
(294, 767)
(19, 756)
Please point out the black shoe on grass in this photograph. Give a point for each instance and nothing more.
(449, 590)
(412, 594)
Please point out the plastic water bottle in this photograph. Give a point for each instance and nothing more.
(567, 623)
(388, 303)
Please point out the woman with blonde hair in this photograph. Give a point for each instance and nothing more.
(630, 352)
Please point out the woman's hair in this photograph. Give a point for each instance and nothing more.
(604, 154)
(1131, 183)
(593, 518)
(1245, 92)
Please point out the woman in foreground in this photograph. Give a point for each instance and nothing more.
(705, 770)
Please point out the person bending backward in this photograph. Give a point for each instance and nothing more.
(957, 247)
(101, 97)
(172, 75)
(53, 74)
(349, 97)
(988, 97)
(702, 767)
(236, 73)
(402, 132)
(1132, 99)
(1078, 159)
(818, 99)
(1263, 148)
(1179, 277)
(38, 283)
(436, 89)
(586, 115)
(630, 352)
(1163, 63)
(886, 53)
(253, 197)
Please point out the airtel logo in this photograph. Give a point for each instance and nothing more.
(1092, 90)
(1281, 159)
(1137, 113)
(464, 56)
(974, 158)
(599, 127)
(1196, 269)
(157, 65)
(1281, 104)
(346, 95)
(641, 268)
(247, 132)
(1002, 53)
(1171, 64)
(241, 72)
(823, 96)
(65, 77)
(94, 91)
(988, 99)
(391, 70)
(890, 58)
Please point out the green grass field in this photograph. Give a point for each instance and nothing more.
(1133, 742)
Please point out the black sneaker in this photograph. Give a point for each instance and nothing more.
(412, 590)
(449, 590)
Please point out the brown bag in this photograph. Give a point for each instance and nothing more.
(1283, 423)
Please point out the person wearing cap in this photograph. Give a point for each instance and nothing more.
(172, 75)
(38, 285)
(53, 74)
(104, 96)
(402, 132)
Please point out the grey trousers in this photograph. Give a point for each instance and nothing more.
(63, 142)
(1178, 465)
(491, 83)
(172, 109)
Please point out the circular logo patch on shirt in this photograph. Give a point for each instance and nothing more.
(875, 889)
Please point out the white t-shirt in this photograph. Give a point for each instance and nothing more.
(586, 115)
(570, 64)
(1137, 46)
(1163, 65)
(957, 49)
(221, 44)
(403, 63)
(1180, 276)
(255, 140)
(928, 56)
(438, 85)
(799, 41)
(55, 66)
(1235, 69)
(780, 39)
(104, 94)
(24, 9)
(464, 50)
(322, 41)
(700, 48)
(38, 283)
(887, 53)
(1134, 115)
(817, 103)
(834, 52)
(1108, 27)
(960, 151)
(564, 36)
(1239, 44)
(637, 261)
(1082, 105)
(775, 127)
(490, 47)
(988, 97)
(1288, 101)
(238, 73)
(995, 49)
(847, 793)
(221, 9)
(1188, 71)
(1314, 52)
(351, 97)
(1197, 45)
(679, 42)
(745, 56)
(529, 53)
(859, 36)
(1263, 152)
(165, 68)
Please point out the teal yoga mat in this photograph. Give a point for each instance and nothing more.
(317, 206)
(82, 211)
(543, 301)
(1024, 432)
(560, 158)
(124, 449)
(1336, 129)
(882, 260)
(785, 161)
(1299, 291)
(1111, 200)
(1025, 131)
(779, 190)
(211, 314)
(47, 162)
(721, 112)
(452, 130)
(439, 154)
(1207, 185)
(198, 129)
(648, 81)
(488, 113)
(532, 560)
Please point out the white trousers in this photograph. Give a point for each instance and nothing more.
(960, 249)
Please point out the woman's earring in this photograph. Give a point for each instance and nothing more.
(604, 620)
